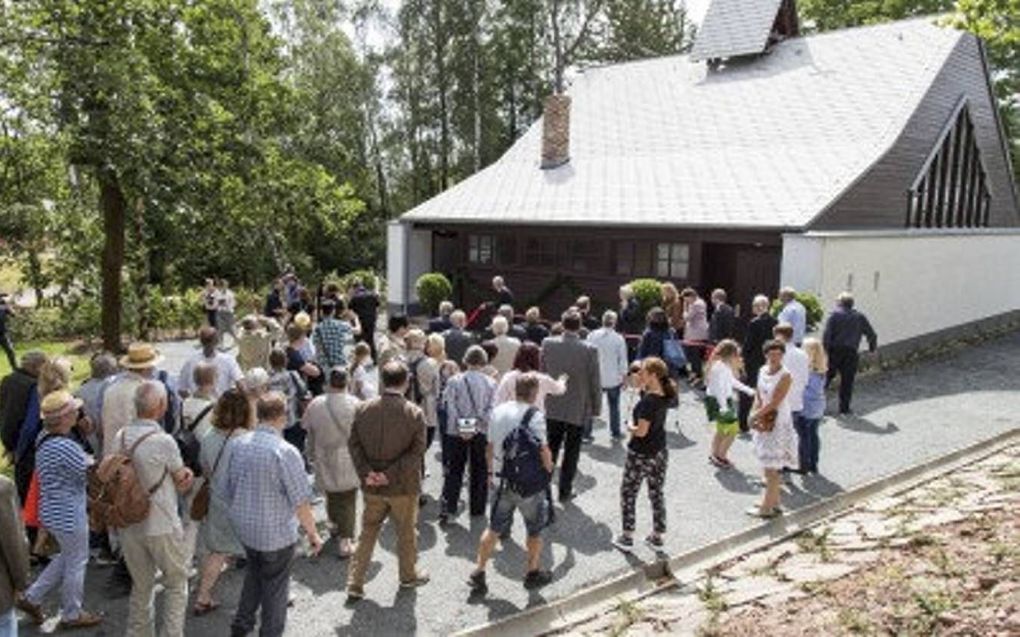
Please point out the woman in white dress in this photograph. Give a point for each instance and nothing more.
(775, 441)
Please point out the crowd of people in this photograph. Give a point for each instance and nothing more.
(223, 463)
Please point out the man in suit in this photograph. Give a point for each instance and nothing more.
(387, 445)
(441, 323)
(759, 330)
(567, 415)
(723, 324)
(365, 303)
(457, 339)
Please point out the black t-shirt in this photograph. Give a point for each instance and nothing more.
(652, 408)
(3, 318)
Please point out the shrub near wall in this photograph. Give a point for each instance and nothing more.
(812, 307)
(648, 293)
(433, 288)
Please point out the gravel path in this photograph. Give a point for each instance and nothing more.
(904, 417)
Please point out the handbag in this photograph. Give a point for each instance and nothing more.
(200, 504)
(673, 353)
(764, 420)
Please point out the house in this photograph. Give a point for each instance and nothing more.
(871, 159)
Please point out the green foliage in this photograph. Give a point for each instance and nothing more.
(433, 288)
(637, 29)
(812, 308)
(648, 293)
(371, 279)
(826, 15)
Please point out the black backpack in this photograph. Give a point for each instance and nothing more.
(189, 444)
(523, 470)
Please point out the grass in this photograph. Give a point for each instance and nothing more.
(79, 362)
(629, 613)
(810, 542)
(855, 622)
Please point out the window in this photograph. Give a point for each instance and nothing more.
(634, 258)
(672, 260)
(540, 252)
(951, 190)
(585, 256)
(480, 249)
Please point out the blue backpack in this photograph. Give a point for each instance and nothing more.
(523, 470)
(672, 352)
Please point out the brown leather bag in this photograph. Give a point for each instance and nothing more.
(200, 504)
(763, 420)
(116, 496)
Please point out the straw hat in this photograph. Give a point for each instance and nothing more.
(59, 403)
(303, 320)
(141, 356)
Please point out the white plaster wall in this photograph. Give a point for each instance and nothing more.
(408, 256)
(911, 283)
(396, 270)
(419, 259)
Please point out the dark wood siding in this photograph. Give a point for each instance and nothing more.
(879, 198)
(565, 262)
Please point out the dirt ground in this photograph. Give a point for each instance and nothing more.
(940, 559)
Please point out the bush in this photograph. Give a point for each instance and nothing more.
(433, 288)
(812, 306)
(648, 293)
(368, 278)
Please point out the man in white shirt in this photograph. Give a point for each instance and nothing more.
(612, 350)
(228, 372)
(793, 314)
(505, 419)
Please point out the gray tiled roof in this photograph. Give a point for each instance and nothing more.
(734, 27)
(766, 142)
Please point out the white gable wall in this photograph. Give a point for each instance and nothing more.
(910, 283)
(408, 256)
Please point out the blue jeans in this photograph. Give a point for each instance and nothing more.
(613, 397)
(66, 569)
(808, 444)
(9, 624)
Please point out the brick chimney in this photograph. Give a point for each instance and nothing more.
(556, 131)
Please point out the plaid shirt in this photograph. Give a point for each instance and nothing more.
(330, 337)
(265, 483)
(468, 395)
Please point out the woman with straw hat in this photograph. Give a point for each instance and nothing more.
(62, 465)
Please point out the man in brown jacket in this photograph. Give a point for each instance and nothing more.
(13, 557)
(387, 445)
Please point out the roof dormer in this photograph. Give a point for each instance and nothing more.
(735, 28)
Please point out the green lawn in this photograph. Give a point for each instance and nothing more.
(79, 362)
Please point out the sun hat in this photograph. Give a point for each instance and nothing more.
(141, 356)
(59, 403)
(303, 320)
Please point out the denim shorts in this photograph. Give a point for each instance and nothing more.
(535, 510)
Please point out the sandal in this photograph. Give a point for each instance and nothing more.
(84, 620)
(758, 512)
(204, 608)
(34, 611)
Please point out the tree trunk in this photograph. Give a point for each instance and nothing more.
(442, 85)
(111, 201)
(141, 273)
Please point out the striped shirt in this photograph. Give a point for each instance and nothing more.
(61, 464)
(265, 483)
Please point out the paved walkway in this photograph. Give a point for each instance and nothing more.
(905, 417)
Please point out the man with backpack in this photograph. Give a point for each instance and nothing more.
(156, 542)
(520, 464)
